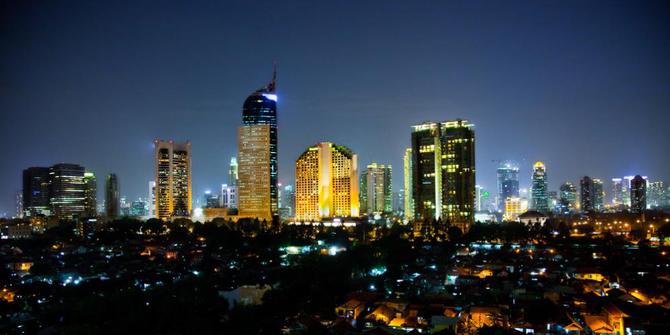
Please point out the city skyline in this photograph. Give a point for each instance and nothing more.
(141, 104)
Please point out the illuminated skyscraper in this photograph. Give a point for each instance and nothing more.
(656, 193)
(36, 191)
(67, 191)
(443, 171)
(586, 194)
(567, 198)
(539, 196)
(326, 183)
(409, 194)
(228, 196)
(232, 172)
(260, 108)
(638, 194)
(90, 195)
(112, 196)
(288, 201)
(152, 199)
(598, 195)
(508, 182)
(254, 192)
(375, 189)
(617, 192)
(173, 179)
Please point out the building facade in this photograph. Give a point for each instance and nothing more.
(36, 191)
(507, 182)
(67, 191)
(173, 179)
(638, 194)
(407, 183)
(254, 191)
(539, 198)
(376, 195)
(90, 195)
(326, 183)
(112, 196)
(443, 172)
(567, 198)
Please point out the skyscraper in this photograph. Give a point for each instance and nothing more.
(232, 172)
(326, 183)
(254, 191)
(617, 192)
(36, 191)
(173, 179)
(443, 171)
(112, 196)
(375, 189)
(90, 195)
(638, 194)
(228, 196)
(288, 201)
(586, 194)
(67, 191)
(567, 198)
(409, 194)
(598, 195)
(152, 199)
(260, 108)
(539, 196)
(508, 182)
(656, 194)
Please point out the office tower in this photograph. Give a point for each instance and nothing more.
(288, 200)
(508, 182)
(638, 194)
(375, 189)
(232, 172)
(443, 174)
(112, 197)
(138, 208)
(479, 191)
(539, 196)
(567, 198)
(626, 190)
(553, 200)
(617, 192)
(409, 194)
(90, 195)
(514, 206)
(67, 191)
(36, 191)
(173, 179)
(326, 183)
(228, 196)
(656, 193)
(124, 206)
(19, 205)
(260, 108)
(152, 199)
(212, 200)
(586, 194)
(254, 191)
(597, 195)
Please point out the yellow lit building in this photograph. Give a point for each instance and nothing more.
(173, 179)
(253, 159)
(514, 206)
(409, 198)
(326, 183)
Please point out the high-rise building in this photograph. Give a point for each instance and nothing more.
(173, 179)
(567, 198)
(36, 191)
(375, 189)
(138, 208)
(326, 183)
(586, 194)
(254, 191)
(232, 172)
(443, 172)
(67, 191)
(112, 197)
(617, 192)
(228, 196)
(508, 182)
(626, 191)
(638, 194)
(212, 200)
(655, 194)
(90, 195)
(409, 194)
(539, 195)
(514, 206)
(399, 201)
(152, 199)
(19, 205)
(288, 201)
(598, 195)
(260, 108)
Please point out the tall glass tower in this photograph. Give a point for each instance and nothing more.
(508, 182)
(260, 108)
(539, 195)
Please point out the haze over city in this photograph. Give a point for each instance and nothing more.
(581, 86)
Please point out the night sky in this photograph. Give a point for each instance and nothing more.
(583, 86)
